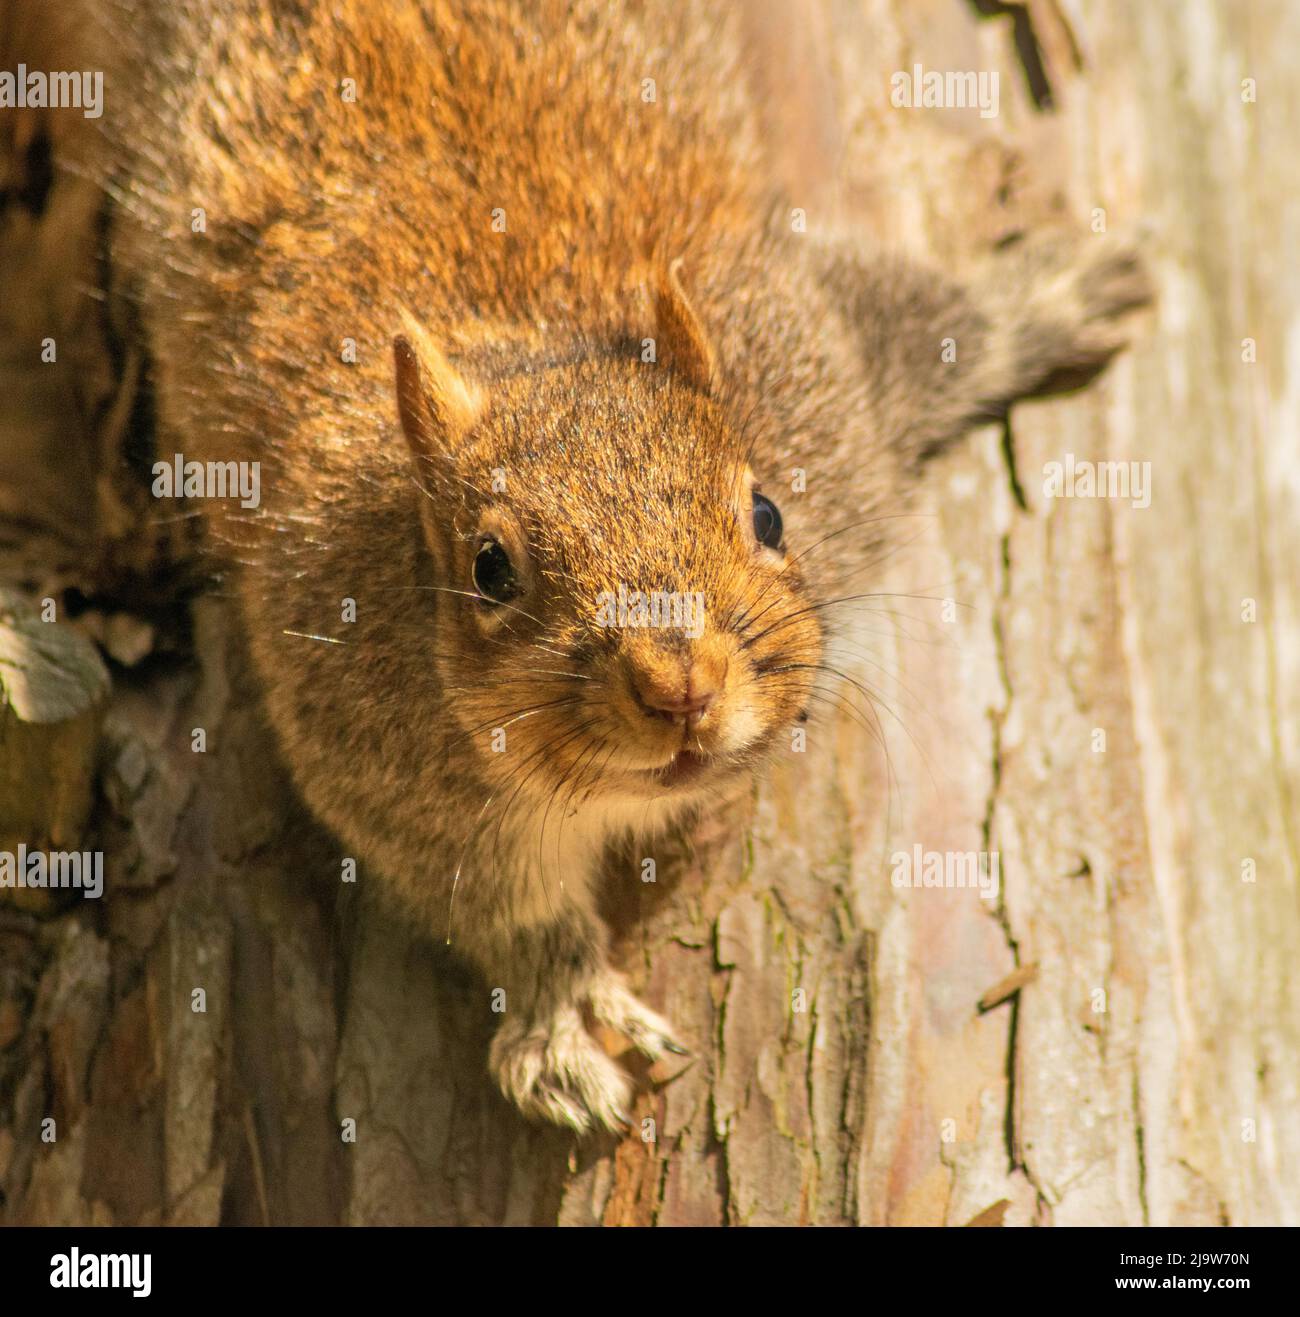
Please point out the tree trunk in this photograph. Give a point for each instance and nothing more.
(1112, 707)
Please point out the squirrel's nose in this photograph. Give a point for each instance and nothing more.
(680, 701)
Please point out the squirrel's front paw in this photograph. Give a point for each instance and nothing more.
(552, 1069)
(1109, 281)
(1071, 295)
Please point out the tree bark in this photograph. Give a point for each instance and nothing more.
(1112, 706)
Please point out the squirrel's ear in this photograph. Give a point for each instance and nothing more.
(680, 331)
(437, 406)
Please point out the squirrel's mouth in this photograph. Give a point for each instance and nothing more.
(684, 767)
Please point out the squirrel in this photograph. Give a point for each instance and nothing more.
(587, 352)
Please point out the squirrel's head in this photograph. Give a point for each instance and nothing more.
(618, 611)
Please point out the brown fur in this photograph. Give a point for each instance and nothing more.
(518, 354)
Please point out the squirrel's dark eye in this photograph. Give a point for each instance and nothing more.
(494, 577)
(767, 522)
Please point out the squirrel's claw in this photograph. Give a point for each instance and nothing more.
(614, 1005)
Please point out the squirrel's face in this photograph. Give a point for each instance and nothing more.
(626, 615)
